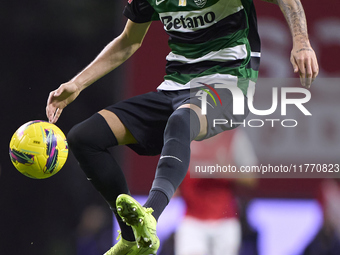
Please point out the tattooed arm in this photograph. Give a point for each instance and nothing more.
(303, 57)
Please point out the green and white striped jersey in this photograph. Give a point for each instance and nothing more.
(210, 40)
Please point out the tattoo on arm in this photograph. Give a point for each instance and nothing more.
(295, 17)
(304, 49)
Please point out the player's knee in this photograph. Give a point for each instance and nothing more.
(179, 118)
(77, 137)
(183, 121)
(91, 134)
(73, 137)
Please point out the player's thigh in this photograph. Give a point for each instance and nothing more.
(227, 237)
(191, 238)
(122, 134)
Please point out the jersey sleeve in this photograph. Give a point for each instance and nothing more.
(140, 11)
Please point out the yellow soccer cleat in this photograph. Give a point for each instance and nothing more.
(141, 221)
(123, 247)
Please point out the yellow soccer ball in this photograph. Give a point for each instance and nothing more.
(38, 149)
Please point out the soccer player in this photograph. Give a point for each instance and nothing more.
(212, 42)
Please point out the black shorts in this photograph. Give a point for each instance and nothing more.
(146, 116)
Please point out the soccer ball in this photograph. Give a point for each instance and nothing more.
(38, 149)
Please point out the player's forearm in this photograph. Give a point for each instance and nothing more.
(296, 19)
(113, 55)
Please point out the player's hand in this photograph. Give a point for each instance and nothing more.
(305, 63)
(59, 99)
